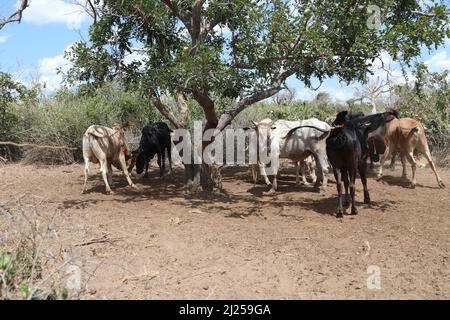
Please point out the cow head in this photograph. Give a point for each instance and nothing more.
(141, 161)
(131, 158)
(341, 118)
(147, 148)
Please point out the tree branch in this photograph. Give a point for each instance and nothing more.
(94, 12)
(16, 16)
(196, 20)
(228, 116)
(32, 145)
(183, 15)
(165, 111)
(208, 107)
(181, 102)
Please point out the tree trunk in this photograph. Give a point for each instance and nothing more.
(206, 181)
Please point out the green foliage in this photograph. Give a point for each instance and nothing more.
(12, 92)
(63, 118)
(427, 100)
(245, 47)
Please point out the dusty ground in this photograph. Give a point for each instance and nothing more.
(244, 245)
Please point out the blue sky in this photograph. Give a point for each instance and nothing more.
(33, 49)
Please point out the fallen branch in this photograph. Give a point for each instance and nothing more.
(146, 276)
(32, 145)
(98, 240)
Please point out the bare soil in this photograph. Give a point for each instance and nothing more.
(158, 243)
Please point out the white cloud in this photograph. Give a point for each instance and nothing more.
(338, 93)
(48, 70)
(41, 12)
(135, 56)
(4, 38)
(439, 62)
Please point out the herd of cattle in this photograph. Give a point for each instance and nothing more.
(346, 145)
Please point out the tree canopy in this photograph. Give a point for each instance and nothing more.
(246, 49)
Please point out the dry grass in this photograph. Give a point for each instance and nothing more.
(31, 264)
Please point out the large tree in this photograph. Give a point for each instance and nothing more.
(246, 49)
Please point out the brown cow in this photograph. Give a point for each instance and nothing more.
(406, 135)
(106, 146)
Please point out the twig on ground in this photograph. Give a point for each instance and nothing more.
(98, 240)
(147, 276)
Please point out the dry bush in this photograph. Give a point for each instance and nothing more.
(440, 149)
(31, 266)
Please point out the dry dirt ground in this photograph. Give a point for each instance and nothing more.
(158, 243)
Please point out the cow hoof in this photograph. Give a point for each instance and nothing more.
(339, 214)
(413, 185)
(83, 192)
(271, 192)
(441, 184)
(379, 178)
(354, 212)
(367, 200)
(109, 192)
(133, 186)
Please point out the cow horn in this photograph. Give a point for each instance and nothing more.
(254, 123)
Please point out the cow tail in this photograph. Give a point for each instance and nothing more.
(414, 131)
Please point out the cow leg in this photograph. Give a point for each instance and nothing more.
(163, 163)
(352, 177)
(262, 168)
(312, 169)
(86, 173)
(338, 176)
(303, 170)
(427, 154)
(147, 162)
(412, 161)
(169, 155)
(123, 166)
(160, 165)
(104, 171)
(392, 164)
(346, 196)
(274, 184)
(372, 164)
(297, 172)
(403, 159)
(362, 174)
(109, 175)
(383, 158)
(255, 173)
(322, 163)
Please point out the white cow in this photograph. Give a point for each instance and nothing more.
(106, 146)
(294, 140)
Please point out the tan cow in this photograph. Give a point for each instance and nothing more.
(106, 146)
(404, 136)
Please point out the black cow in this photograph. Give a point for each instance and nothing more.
(155, 139)
(347, 151)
